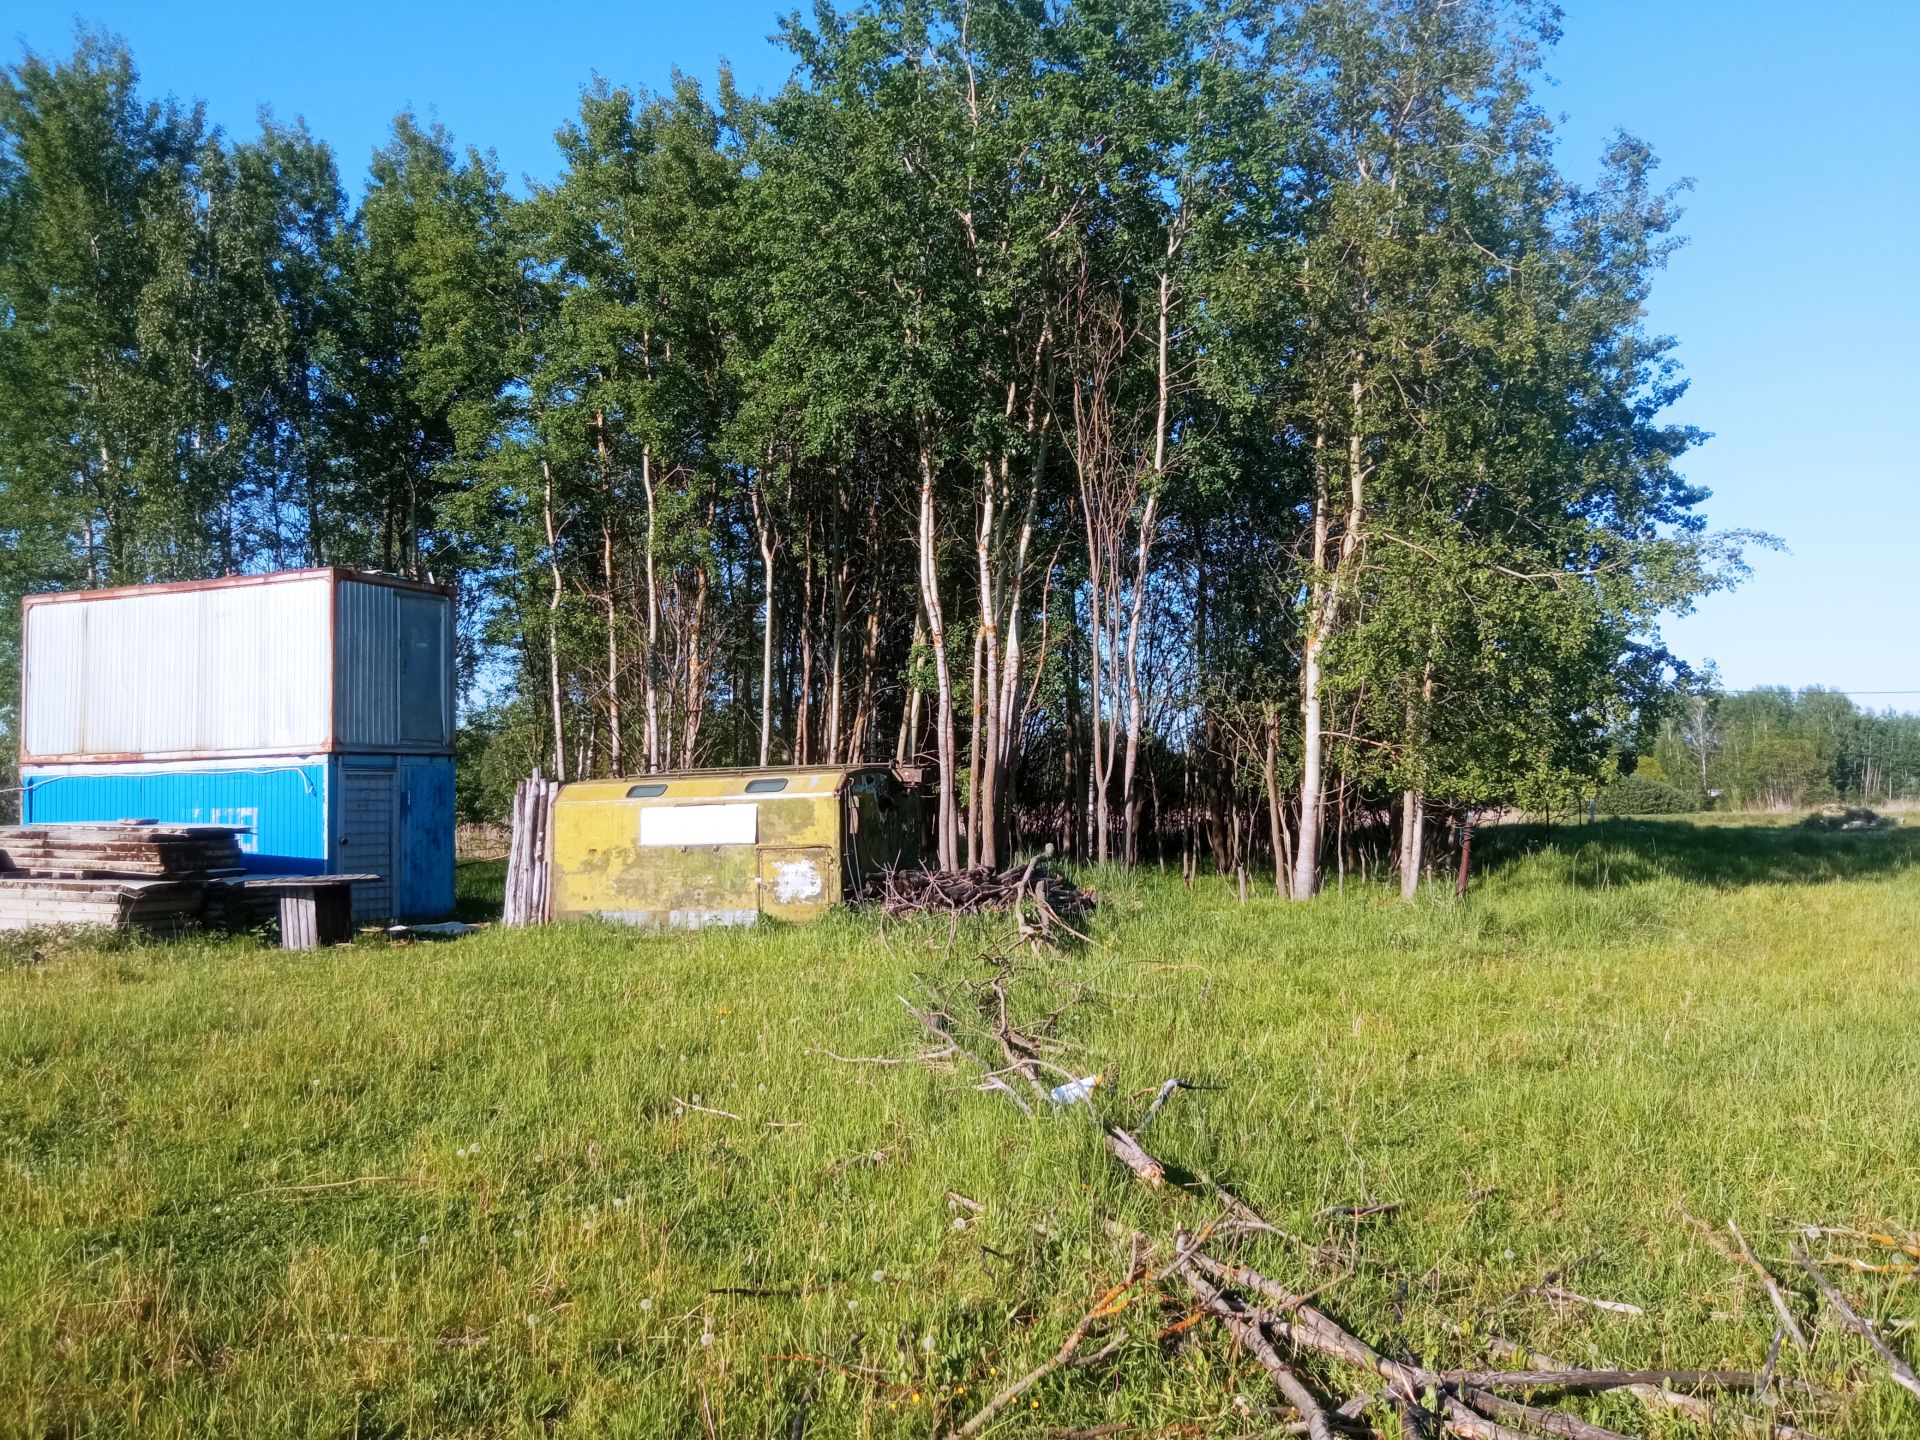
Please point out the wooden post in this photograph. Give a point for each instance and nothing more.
(529, 888)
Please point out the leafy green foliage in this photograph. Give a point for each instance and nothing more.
(1642, 795)
(1146, 346)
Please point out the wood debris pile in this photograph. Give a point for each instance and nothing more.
(1055, 901)
(1329, 1381)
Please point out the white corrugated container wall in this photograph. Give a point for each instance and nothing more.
(304, 662)
(178, 671)
(392, 676)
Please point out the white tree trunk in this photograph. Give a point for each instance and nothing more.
(947, 826)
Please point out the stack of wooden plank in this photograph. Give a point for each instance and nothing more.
(119, 874)
(30, 902)
(122, 848)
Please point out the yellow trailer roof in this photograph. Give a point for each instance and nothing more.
(678, 785)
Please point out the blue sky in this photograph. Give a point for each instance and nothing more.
(1796, 300)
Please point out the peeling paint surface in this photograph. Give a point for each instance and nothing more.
(795, 881)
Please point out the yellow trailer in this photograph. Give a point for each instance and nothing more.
(724, 847)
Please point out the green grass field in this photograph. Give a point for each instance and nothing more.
(449, 1189)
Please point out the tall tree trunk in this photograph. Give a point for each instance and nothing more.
(612, 616)
(982, 819)
(1130, 799)
(973, 755)
(862, 726)
(611, 603)
(947, 823)
(695, 706)
(1276, 806)
(1163, 384)
(763, 524)
(1097, 760)
(803, 723)
(837, 566)
(1306, 858)
(1413, 834)
(553, 624)
(906, 749)
(648, 657)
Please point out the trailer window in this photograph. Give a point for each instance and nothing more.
(766, 787)
(646, 792)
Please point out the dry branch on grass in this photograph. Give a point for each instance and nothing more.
(1654, 1396)
(1901, 1371)
(1264, 1318)
(1744, 1258)
(1110, 1304)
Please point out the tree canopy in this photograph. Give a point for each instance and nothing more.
(1189, 429)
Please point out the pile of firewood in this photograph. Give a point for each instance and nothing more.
(1055, 901)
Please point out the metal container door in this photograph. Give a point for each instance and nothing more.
(367, 816)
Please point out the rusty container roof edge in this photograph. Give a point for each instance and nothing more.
(335, 573)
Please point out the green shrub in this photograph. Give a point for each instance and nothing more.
(1642, 795)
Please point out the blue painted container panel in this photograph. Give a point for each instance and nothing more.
(285, 803)
(426, 830)
(298, 811)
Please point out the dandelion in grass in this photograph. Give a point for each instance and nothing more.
(706, 1337)
(646, 1305)
(960, 1224)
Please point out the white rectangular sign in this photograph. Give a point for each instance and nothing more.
(700, 825)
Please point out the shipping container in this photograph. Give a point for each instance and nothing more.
(314, 707)
(387, 815)
(724, 847)
(300, 662)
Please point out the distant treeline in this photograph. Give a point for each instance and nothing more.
(1775, 749)
(1183, 426)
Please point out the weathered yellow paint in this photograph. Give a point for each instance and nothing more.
(813, 842)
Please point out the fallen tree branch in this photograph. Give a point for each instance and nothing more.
(938, 1026)
(1774, 1292)
(1247, 1331)
(1166, 1090)
(1111, 1303)
(1129, 1152)
(1573, 1297)
(1652, 1396)
(1901, 1371)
